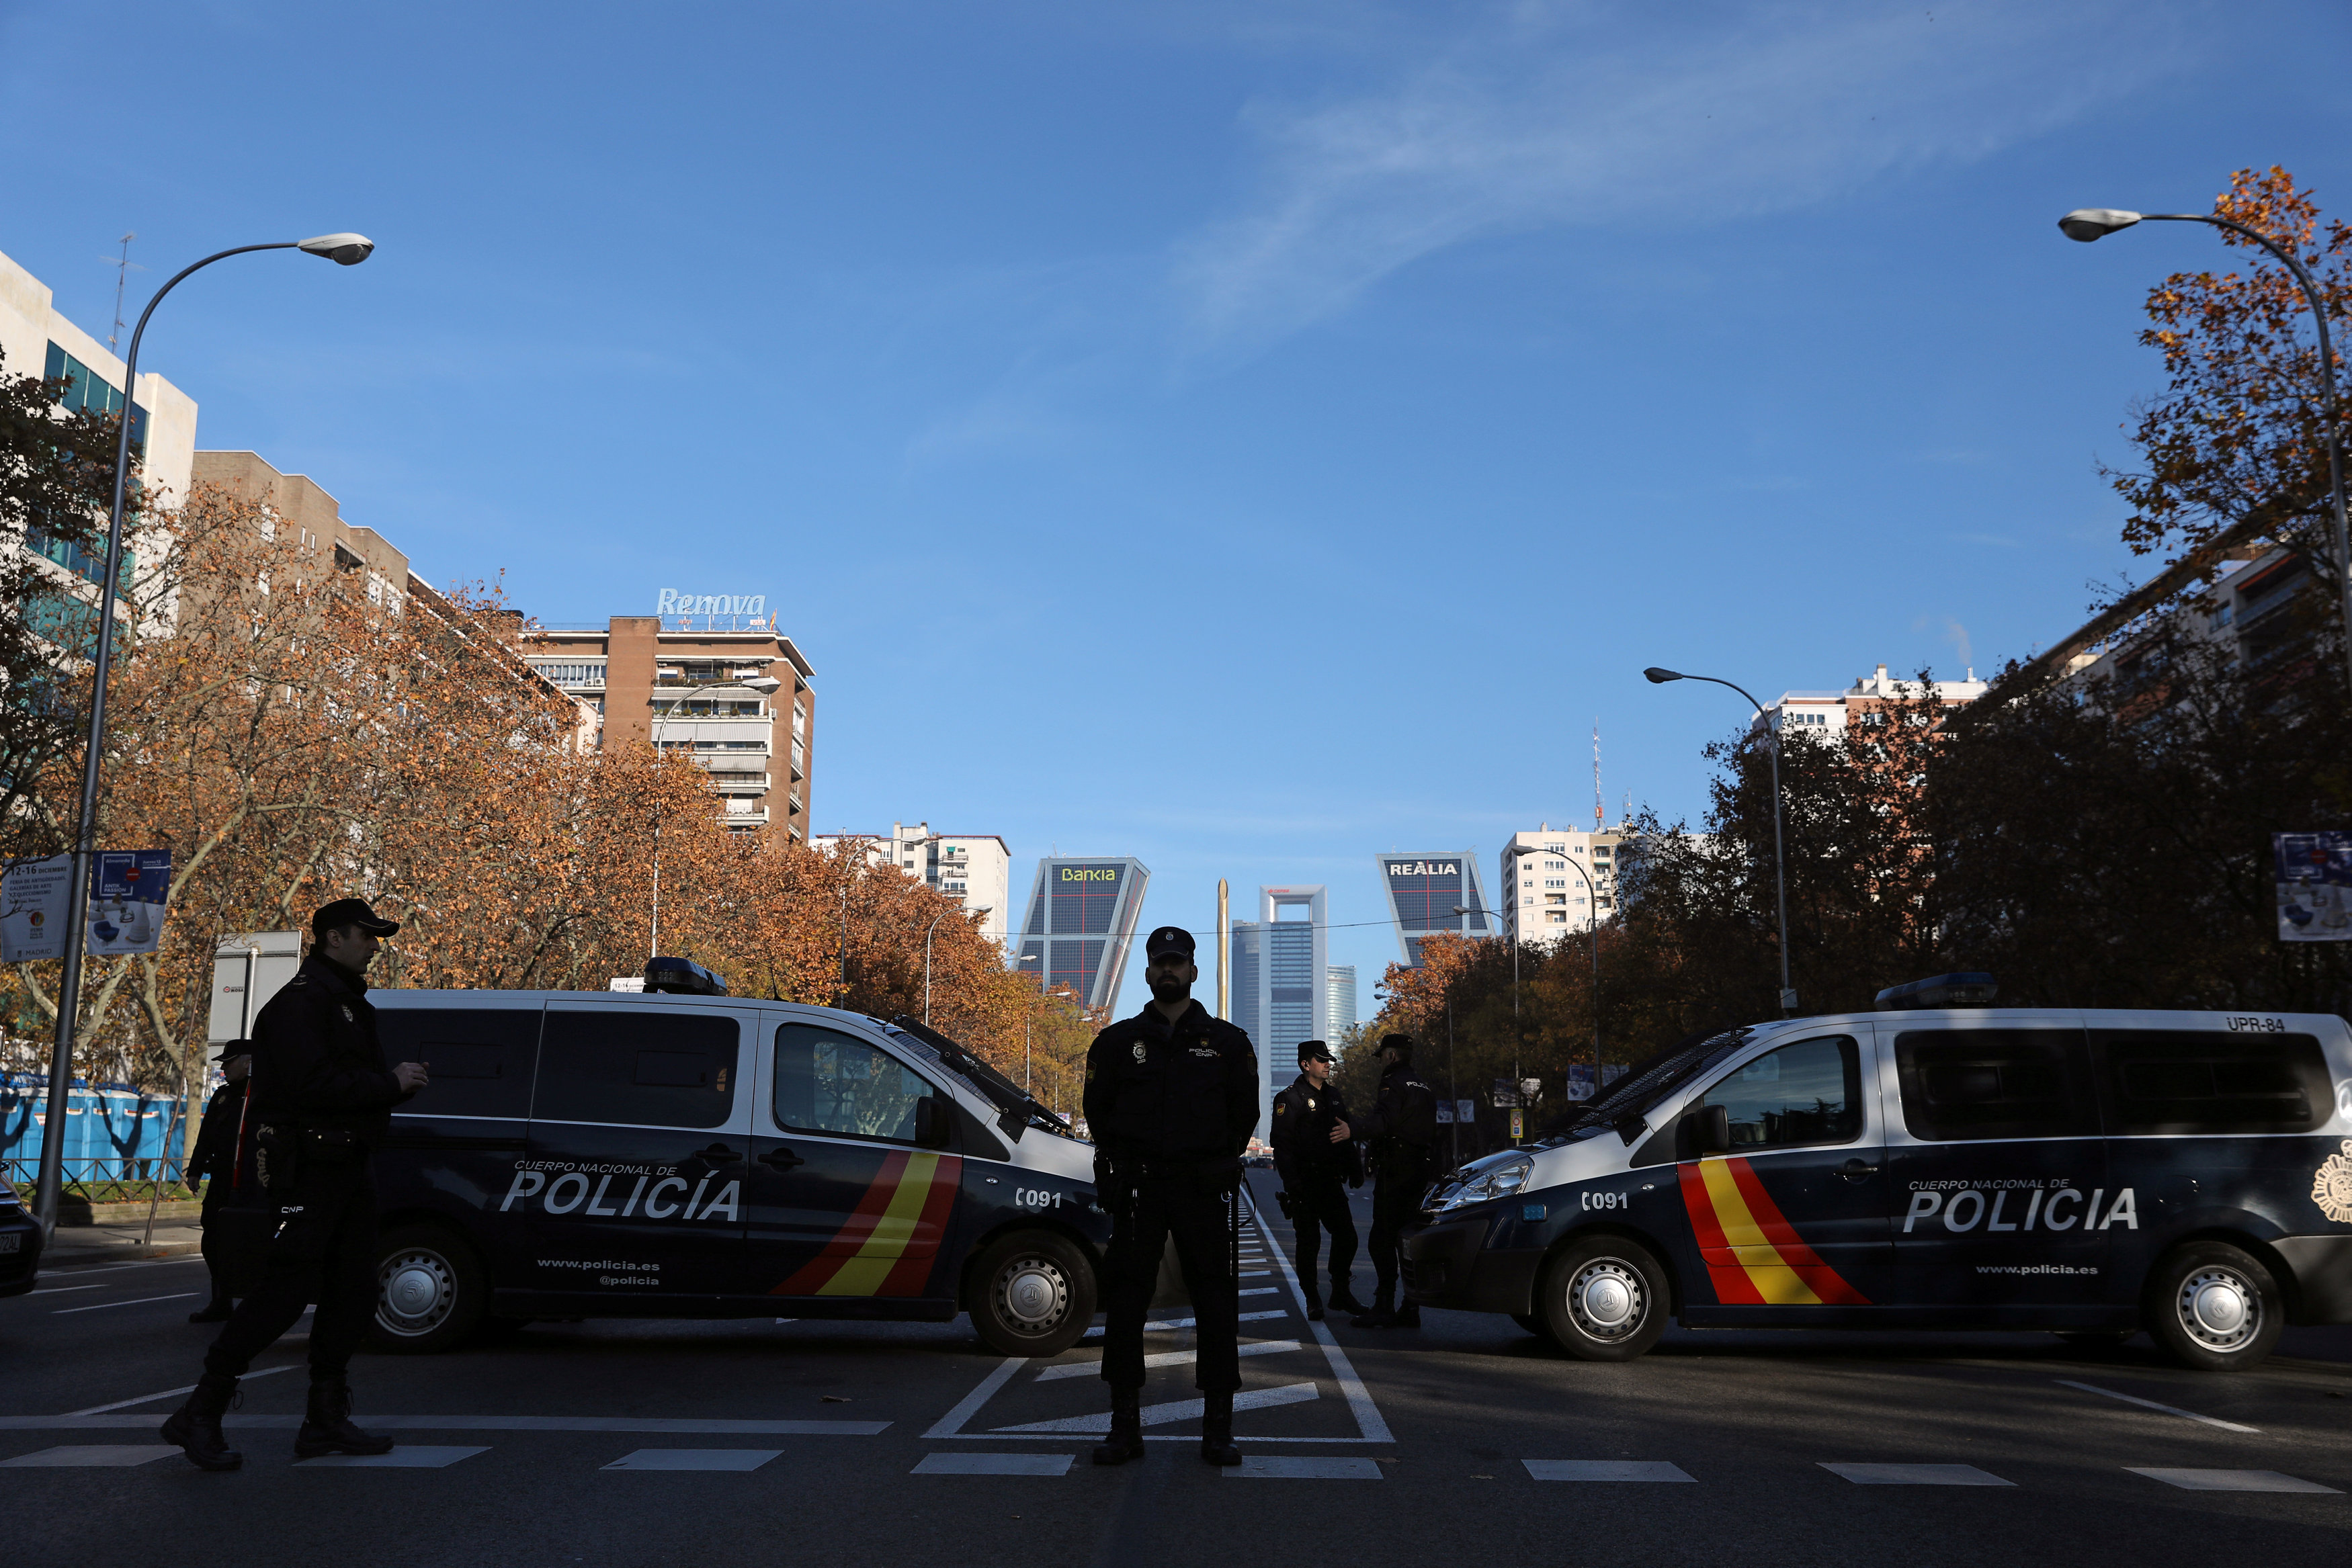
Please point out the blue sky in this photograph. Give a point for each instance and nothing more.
(1147, 417)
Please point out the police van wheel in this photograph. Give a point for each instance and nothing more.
(1604, 1299)
(1032, 1294)
(430, 1290)
(2213, 1306)
(1532, 1324)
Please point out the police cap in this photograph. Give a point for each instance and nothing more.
(1313, 1050)
(1400, 1043)
(1167, 939)
(350, 912)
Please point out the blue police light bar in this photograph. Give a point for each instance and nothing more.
(1969, 988)
(683, 978)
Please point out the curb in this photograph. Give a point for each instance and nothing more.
(55, 1256)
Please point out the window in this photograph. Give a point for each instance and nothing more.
(480, 1057)
(1960, 1084)
(830, 1082)
(2190, 1081)
(645, 1069)
(1809, 1093)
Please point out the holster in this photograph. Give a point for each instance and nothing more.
(1284, 1201)
(277, 1158)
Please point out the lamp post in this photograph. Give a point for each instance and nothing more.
(1658, 676)
(934, 926)
(344, 250)
(1593, 890)
(2088, 224)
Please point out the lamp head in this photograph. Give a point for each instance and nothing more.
(343, 250)
(1658, 677)
(2087, 223)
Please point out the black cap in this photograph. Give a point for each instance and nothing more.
(1167, 939)
(350, 912)
(232, 1048)
(1313, 1050)
(1400, 1043)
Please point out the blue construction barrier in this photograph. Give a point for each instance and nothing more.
(112, 1132)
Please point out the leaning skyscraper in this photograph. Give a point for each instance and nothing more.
(1081, 923)
(1425, 890)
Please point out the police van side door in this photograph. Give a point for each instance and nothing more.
(2000, 1172)
(456, 1145)
(845, 1205)
(639, 1138)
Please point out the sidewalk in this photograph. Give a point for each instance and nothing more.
(116, 1243)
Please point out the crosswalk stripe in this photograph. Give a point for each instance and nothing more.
(81, 1456)
(994, 1465)
(1165, 1358)
(1265, 1467)
(694, 1459)
(1176, 1410)
(406, 1457)
(2232, 1480)
(1916, 1476)
(1171, 1324)
(1606, 1470)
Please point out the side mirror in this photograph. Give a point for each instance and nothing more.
(931, 1123)
(1710, 1130)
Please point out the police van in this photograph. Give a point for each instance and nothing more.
(608, 1154)
(1932, 1164)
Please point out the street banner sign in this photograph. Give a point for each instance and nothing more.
(1465, 1111)
(34, 897)
(1507, 1092)
(1445, 1112)
(1580, 1080)
(2314, 886)
(127, 889)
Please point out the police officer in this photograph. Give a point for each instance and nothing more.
(220, 1152)
(322, 1097)
(1315, 1152)
(1170, 1101)
(1401, 1132)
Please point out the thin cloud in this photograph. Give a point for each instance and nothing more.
(1523, 124)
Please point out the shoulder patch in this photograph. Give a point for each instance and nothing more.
(1280, 1107)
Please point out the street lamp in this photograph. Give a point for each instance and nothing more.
(344, 250)
(934, 926)
(2088, 224)
(1659, 677)
(1593, 890)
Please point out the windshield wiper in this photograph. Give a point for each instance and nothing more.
(1020, 1107)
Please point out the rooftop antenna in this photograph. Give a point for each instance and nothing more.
(1600, 815)
(123, 268)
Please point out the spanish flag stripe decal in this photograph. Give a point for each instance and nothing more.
(1753, 1255)
(907, 1279)
(853, 1232)
(1730, 1280)
(1825, 1281)
(864, 1273)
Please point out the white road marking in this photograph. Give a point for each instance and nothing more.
(694, 1459)
(1174, 1323)
(650, 1426)
(949, 1424)
(174, 1393)
(1266, 1467)
(994, 1465)
(1606, 1470)
(407, 1456)
(1177, 1410)
(1257, 1273)
(61, 1290)
(1261, 1290)
(1368, 1423)
(1168, 1358)
(142, 1300)
(2232, 1480)
(84, 1455)
(1916, 1476)
(2152, 1404)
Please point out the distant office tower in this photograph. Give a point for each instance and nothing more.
(1338, 1000)
(1423, 892)
(1277, 961)
(1081, 923)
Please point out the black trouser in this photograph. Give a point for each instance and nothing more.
(1396, 1197)
(324, 1253)
(1200, 1223)
(214, 1243)
(1319, 1202)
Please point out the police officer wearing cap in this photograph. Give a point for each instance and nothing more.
(1316, 1155)
(1171, 1102)
(322, 1099)
(1400, 1130)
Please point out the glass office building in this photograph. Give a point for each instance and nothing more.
(1423, 891)
(1339, 1001)
(1279, 985)
(1081, 924)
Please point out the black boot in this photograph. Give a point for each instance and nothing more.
(1314, 1299)
(327, 1426)
(1217, 1428)
(1343, 1299)
(195, 1425)
(215, 1311)
(1126, 1439)
(1379, 1315)
(1408, 1316)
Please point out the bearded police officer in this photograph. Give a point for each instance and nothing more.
(1400, 1129)
(1315, 1153)
(1171, 1102)
(322, 1099)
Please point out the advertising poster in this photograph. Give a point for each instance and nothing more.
(2314, 886)
(1465, 1111)
(1580, 1080)
(126, 888)
(33, 895)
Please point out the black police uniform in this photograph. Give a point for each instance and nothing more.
(1317, 1172)
(219, 1154)
(1400, 1130)
(1170, 1107)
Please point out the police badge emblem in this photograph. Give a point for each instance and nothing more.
(2331, 1185)
(1138, 1053)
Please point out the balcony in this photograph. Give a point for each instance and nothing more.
(730, 778)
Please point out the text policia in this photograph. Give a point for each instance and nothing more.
(655, 1192)
(1963, 1206)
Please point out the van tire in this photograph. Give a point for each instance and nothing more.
(1032, 1294)
(2213, 1306)
(1604, 1299)
(431, 1290)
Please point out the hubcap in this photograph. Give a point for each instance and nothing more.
(1032, 1295)
(418, 1290)
(1606, 1299)
(2220, 1308)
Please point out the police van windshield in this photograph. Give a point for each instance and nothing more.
(1020, 1110)
(1647, 1082)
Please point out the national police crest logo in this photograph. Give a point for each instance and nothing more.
(1138, 1052)
(2331, 1185)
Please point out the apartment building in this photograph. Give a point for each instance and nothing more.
(973, 869)
(1546, 893)
(1827, 714)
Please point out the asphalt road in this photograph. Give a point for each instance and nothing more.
(1468, 1441)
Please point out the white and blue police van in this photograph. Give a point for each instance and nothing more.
(1934, 1163)
(586, 1154)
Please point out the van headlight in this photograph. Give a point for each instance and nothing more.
(1499, 1180)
